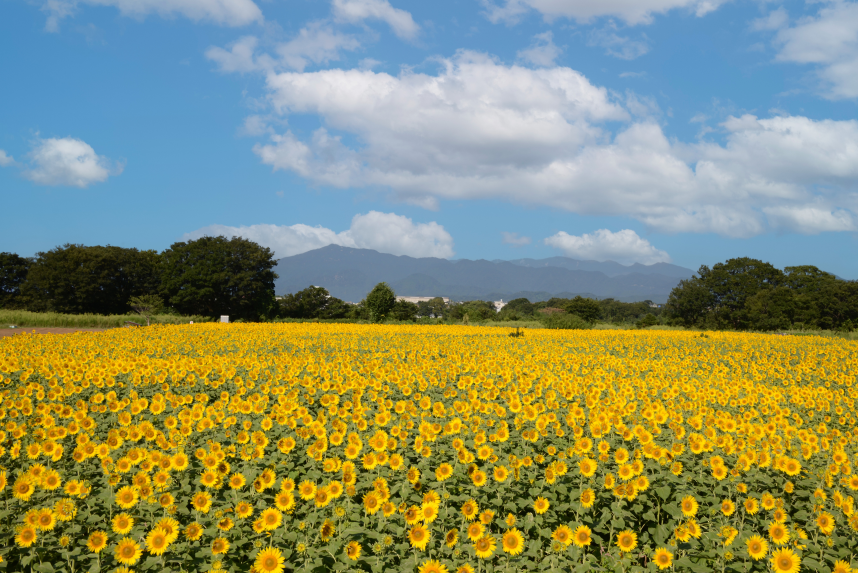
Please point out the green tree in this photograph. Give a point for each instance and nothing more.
(212, 276)
(521, 306)
(76, 279)
(771, 309)
(146, 305)
(434, 308)
(475, 310)
(313, 302)
(648, 320)
(733, 282)
(380, 301)
(690, 302)
(404, 310)
(587, 308)
(13, 273)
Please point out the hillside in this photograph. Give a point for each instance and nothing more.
(350, 273)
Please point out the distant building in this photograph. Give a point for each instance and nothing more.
(416, 299)
(499, 304)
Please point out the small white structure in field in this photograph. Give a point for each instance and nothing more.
(499, 304)
(416, 299)
(224, 318)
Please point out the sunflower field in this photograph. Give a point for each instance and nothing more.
(329, 447)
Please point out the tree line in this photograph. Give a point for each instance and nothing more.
(207, 277)
(749, 294)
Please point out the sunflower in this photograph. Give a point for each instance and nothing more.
(307, 490)
(46, 519)
(785, 561)
(484, 547)
(193, 531)
(412, 515)
(627, 540)
(271, 519)
(353, 550)
(757, 547)
(479, 478)
(428, 512)
(512, 541)
(588, 498)
(466, 568)
(244, 509)
(587, 467)
(451, 538)
(237, 481)
(127, 497)
(419, 537)
(689, 506)
(26, 536)
(127, 551)
(220, 546)
(23, 488)
(728, 507)
(582, 536)
(778, 533)
(780, 515)
(432, 566)
(327, 530)
(122, 523)
(562, 534)
(202, 502)
(752, 506)
(541, 505)
(443, 472)
(157, 541)
(269, 560)
(841, 567)
(825, 523)
(97, 541)
(475, 531)
(470, 510)
(662, 558)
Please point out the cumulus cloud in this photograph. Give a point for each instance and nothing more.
(622, 47)
(356, 11)
(830, 42)
(480, 129)
(68, 161)
(223, 12)
(542, 52)
(623, 247)
(636, 12)
(514, 240)
(316, 43)
(5, 159)
(383, 232)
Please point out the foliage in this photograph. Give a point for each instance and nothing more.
(565, 321)
(58, 320)
(404, 311)
(146, 305)
(313, 302)
(434, 308)
(13, 273)
(379, 302)
(647, 321)
(747, 294)
(213, 276)
(476, 310)
(76, 279)
(382, 448)
(586, 308)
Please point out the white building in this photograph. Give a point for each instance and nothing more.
(416, 299)
(499, 304)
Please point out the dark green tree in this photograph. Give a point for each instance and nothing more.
(434, 308)
(76, 279)
(476, 310)
(771, 309)
(521, 306)
(732, 283)
(146, 305)
(13, 273)
(690, 303)
(404, 310)
(586, 308)
(213, 276)
(313, 302)
(379, 302)
(648, 320)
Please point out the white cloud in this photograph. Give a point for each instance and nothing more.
(630, 11)
(618, 46)
(542, 52)
(774, 20)
(223, 12)
(356, 11)
(623, 247)
(383, 232)
(316, 43)
(829, 41)
(68, 161)
(5, 160)
(478, 129)
(514, 240)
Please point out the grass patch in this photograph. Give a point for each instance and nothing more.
(25, 318)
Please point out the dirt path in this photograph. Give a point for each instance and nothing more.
(49, 330)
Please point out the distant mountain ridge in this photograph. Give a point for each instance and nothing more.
(350, 273)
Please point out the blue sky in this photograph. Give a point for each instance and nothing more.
(689, 131)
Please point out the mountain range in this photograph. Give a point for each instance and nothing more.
(349, 274)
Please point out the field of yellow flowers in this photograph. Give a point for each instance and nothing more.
(325, 447)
